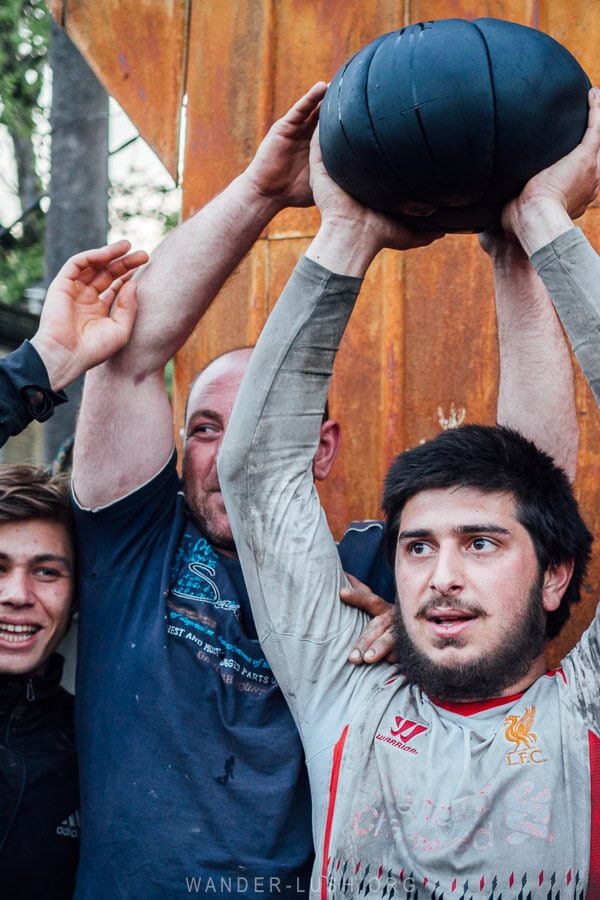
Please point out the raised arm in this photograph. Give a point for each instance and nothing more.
(290, 561)
(542, 220)
(87, 317)
(536, 393)
(125, 431)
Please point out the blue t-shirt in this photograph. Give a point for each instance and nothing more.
(193, 779)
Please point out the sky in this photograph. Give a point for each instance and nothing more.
(136, 166)
(140, 168)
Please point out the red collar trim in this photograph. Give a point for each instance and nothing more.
(477, 706)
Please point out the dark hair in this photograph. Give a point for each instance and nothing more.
(498, 459)
(27, 492)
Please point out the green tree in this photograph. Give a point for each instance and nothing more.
(24, 37)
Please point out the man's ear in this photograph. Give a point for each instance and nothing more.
(556, 581)
(329, 444)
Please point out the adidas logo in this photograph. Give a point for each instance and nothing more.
(70, 827)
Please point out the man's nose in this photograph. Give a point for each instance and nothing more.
(448, 576)
(14, 588)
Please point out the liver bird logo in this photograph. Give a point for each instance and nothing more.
(519, 729)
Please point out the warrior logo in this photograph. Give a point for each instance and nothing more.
(406, 729)
(404, 732)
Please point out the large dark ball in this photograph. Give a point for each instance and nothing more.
(451, 113)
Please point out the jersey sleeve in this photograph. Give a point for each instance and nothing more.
(581, 669)
(570, 270)
(289, 558)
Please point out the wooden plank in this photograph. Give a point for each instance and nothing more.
(575, 24)
(302, 56)
(227, 114)
(524, 12)
(229, 94)
(137, 50)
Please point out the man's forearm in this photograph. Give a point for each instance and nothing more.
(188, 269)
(186, 272)
(125, 427)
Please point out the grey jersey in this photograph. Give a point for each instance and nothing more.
(410, 799)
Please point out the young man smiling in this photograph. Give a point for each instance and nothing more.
(88, 316)
(36, 568)
(472, 772)
(39, 793)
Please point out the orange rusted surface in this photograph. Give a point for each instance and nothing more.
(138, 52)
(57, 9)
(421, 349)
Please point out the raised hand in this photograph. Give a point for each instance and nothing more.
(351, 234)
(89, 311)
(559, 193)
(280, 167)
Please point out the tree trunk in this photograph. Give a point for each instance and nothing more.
(78, 215)
(29, 186)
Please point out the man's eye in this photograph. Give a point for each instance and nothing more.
(419, 548)
(481, 544)
(203, 431)
(46, 573)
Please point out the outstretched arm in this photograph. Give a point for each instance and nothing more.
(536, 375)
(87, 317)
(542, 220)
(125, 431)
(290, 561)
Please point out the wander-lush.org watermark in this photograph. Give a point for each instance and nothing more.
(272, 886)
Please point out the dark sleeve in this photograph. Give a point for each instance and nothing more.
(25, 391)
(362, 552)
(117, 537)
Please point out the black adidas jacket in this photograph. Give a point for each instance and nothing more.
(39, 793)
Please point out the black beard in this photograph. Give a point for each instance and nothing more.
(484, 678)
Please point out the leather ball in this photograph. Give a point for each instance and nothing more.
(454, 114)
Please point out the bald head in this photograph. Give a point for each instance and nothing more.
(208, 410)
(234, 362)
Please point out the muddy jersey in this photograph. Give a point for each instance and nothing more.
(410, 798)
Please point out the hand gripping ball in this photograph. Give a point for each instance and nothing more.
(454, 114)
